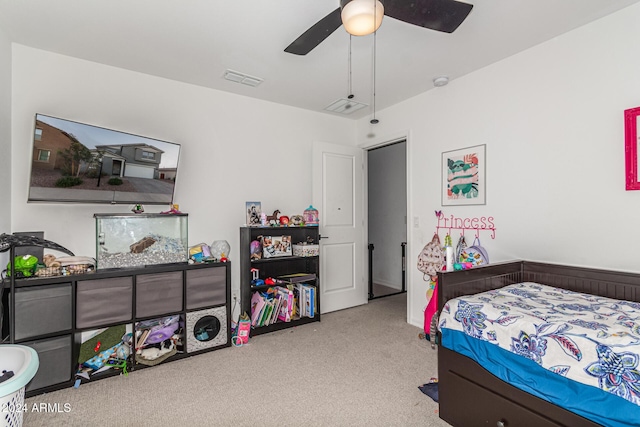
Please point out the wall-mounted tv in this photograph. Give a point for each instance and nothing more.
(76, 162)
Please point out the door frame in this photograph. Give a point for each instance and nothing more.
(377, 142)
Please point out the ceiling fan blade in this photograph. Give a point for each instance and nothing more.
(316, 34)
(439, 15)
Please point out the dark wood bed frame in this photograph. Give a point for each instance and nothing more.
(471, 396)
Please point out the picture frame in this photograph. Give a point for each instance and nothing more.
(464, 176)
(276, 246)
(631, 163)
(253, 211)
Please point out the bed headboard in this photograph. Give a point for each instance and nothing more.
(612, 284)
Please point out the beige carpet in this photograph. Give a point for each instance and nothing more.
(358, 367)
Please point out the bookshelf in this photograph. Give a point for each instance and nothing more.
(277, 266)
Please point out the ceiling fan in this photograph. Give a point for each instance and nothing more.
(439, 15)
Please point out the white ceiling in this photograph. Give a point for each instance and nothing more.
(195, 41)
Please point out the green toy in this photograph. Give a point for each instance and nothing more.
(24, 264)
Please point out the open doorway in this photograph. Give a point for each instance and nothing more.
(387, 219)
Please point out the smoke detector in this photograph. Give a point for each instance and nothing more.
(440, 81)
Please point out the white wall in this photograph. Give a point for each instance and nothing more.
(5, 140)
(387, 201)
(552, 120)
(234, 149)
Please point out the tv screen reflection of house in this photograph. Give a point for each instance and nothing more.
(75, 162)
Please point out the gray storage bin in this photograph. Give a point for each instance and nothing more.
(158, 294)
(206, 287)
(54, 356)
(102, 302)
(42, 310)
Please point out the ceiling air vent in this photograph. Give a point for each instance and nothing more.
(234, 76)
(345, 106)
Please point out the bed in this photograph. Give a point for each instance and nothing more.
(476, 392)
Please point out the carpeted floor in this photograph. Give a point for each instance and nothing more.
(357, 367)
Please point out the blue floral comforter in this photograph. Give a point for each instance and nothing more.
(585, 338)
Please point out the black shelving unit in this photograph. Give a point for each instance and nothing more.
(275, 267)
(50, 314)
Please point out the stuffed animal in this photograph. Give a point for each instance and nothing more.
(297, 220)
(24, 265)
(153, 353)
(50, 261)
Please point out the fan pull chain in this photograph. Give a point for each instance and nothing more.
(350, 96)
(374, 121)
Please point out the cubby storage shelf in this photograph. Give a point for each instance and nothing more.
(51, 313)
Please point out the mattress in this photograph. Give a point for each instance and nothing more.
(578, 351)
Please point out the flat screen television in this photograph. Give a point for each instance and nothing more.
(76, 162)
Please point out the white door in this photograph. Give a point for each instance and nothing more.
(339, 197)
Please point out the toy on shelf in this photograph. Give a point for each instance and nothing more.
(296, 220)
(220, 249)
(273, 219)
(284, 220)
(25, 266)
(173, 210)
(200, 253)
(256, 248)
(310, 216)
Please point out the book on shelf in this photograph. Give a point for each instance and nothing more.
(312, 300)
(295, 308)
(309, 300)
(286, 305)
(282, 304)
(257, 305)
(273, 317)
(302, 306)
(267, 313)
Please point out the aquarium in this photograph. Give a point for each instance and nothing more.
(136, 240)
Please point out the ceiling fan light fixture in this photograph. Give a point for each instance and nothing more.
(361, 17)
